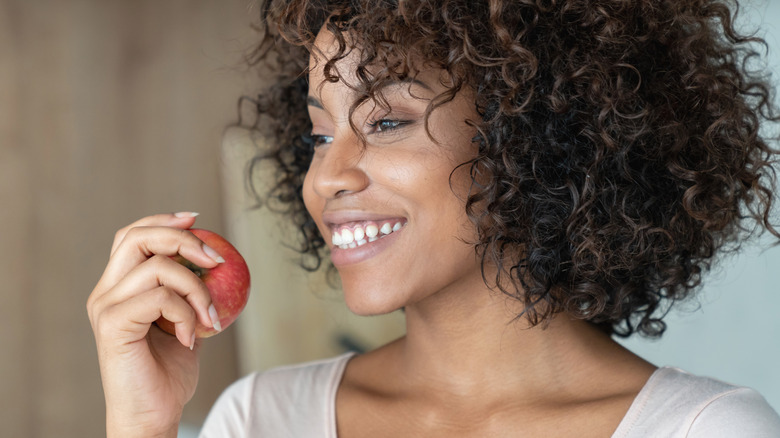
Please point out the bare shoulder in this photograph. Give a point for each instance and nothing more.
(371, 372)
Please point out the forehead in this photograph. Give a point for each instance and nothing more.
(326, 46)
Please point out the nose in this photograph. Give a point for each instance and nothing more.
(338, 171)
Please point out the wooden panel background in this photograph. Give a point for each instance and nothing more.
(109, 110)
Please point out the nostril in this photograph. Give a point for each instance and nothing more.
(332, 178)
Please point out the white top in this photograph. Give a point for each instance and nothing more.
(299, 401)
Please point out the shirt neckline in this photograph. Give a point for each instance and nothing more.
(337, 374)
(640, 402)
(625, 425)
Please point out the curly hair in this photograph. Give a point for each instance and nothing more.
(621, 144)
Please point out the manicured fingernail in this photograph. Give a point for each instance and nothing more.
(192, 341)
(186, 214)
(213, 254)
(214, 318)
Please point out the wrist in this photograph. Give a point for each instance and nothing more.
(170, 432)
(141, 429)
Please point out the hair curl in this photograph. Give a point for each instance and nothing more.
(619, 145)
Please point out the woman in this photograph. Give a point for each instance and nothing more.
(523, 178)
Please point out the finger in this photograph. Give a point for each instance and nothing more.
(163, 271)
(129, 321)
(182, 220)
(141, 243)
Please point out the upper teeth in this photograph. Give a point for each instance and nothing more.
(386, 228)
(360, 235)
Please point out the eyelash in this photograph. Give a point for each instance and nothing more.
(315, 140)
(397, 124)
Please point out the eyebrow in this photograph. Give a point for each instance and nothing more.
(312, 101)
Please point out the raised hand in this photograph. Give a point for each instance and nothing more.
(149, 375)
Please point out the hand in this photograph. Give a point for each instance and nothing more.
(148, 375)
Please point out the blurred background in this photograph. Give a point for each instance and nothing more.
(112, 110)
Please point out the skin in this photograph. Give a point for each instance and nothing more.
(401, 173)
(147, 374)
(464, 367)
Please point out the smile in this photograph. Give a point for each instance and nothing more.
(353, 235)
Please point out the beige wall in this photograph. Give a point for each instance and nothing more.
(109, 110)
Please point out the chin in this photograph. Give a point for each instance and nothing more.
(369, 301)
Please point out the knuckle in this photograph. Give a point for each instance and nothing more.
(94, 305)
(132, 232)
(162, 266)
(162, 295)
(158, 261)
(91, 301)
(166, 297)
(91, 306)
(120, 233)
(124, 232)
(186, 237)
(104, 321)
(190, 313)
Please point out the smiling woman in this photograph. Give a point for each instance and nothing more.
(611, 162)
(397, 181)
(546, 175)
(523, 179)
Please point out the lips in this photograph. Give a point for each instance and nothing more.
(358, 235)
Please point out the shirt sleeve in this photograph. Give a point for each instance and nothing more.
(742, 412)
(229, 416)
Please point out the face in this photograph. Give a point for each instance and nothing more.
(393, 216)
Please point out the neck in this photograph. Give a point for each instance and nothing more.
(469, 344)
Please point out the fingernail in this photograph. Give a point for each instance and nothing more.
(214, 318)
(192, 341)
(186, 214)
(213, 254)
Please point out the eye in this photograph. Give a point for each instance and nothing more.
(384, 125)
(316, 140)
(319, 140)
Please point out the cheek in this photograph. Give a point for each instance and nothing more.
(307, 191)
(312, 202)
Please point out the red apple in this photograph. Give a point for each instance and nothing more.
(228, 283)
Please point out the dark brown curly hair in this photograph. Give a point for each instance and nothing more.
(622, 144)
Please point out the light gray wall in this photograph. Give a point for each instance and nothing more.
(733, 332)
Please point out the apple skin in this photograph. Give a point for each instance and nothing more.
(227, 282)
